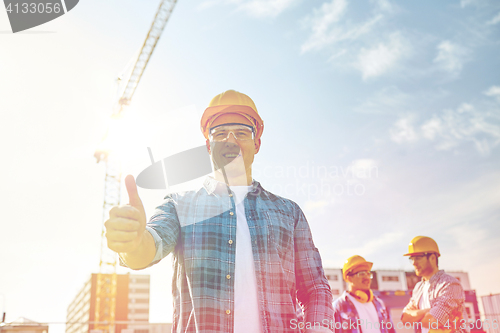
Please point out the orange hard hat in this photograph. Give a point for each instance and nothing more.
(236, 108)
(353, 262)
(422, 244)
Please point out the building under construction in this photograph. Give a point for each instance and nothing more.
(131, 310)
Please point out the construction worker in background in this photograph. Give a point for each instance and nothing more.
(243, 257)
(437, 301)
(358, 310)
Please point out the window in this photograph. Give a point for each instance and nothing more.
(390, 278)
(142, 300)
(141, 331)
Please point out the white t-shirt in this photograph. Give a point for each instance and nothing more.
(246, 304)
(424, 302)
(368, 314)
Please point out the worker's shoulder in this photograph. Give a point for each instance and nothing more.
(445, 278)
(186, 197)
(342, 304)
(274, 198)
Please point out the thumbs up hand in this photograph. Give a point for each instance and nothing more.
(126, 224)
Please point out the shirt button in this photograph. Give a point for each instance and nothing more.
(228, 311)
(230, 194)
(231, 213)
(230, 241)
(228, 276)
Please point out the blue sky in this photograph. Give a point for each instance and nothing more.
(382, 121)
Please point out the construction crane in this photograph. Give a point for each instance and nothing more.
(106, 279)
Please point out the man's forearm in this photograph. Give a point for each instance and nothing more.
(144, 254)
(412, 316)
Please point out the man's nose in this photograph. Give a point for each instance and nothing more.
(231, 138)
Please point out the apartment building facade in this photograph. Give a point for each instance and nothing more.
(132, 305)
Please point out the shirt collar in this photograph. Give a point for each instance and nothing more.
(436, 276)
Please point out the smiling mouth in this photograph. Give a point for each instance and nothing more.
(231, 155)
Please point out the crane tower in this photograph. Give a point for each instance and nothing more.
(106, 280)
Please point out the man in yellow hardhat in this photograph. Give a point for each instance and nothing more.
(437, 301)
(244, 259)
(358, 310)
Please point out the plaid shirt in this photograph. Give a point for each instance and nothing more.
(346, 316)
(199, 228)
(447, 299)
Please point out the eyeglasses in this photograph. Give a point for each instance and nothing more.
(240, 133)
(418, 257)
(363, 274)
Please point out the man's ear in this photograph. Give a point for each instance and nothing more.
(207, 143)
(257, 146)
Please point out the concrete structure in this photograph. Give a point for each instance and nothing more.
(491, 306)
(391, 280)
(23, 325)
(132, 305)
(337, 284)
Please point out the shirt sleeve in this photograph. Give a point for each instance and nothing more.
(449, 303)
(313, 290)
(337, 323)
(165, 228)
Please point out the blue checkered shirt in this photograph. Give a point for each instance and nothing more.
(346, 316)
(447, 299)
(199, 228)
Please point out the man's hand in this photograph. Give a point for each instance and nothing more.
(126, 225)
(412, 315)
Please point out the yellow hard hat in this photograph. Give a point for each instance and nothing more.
(240, 106)
(353, 262)
(422, 244)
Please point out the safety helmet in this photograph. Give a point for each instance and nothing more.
(422, 244)
(353, 262)
(241, 107)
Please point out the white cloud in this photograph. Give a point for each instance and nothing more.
(266, 8)
(464, 3)
(364, 168)
(384, 5)
(256, 8)
(494, 20)
(323, 18)
(328, 27)
(494, 91)
(372, 246)
(312, 205)
(380, 59)
(465, 124)
(451, 57)
(404, 131)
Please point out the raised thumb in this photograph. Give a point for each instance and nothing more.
(133, 195)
